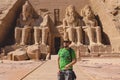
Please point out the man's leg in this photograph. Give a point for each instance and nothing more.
(68, 75)
(61, 75)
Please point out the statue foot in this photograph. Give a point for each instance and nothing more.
(72, 44)
(16, 44)
(92, 44)
(36, 43)
(99, 43)
(78, 44)
(43, 44)
(22, 43)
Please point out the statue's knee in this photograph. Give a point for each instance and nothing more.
(98, 28)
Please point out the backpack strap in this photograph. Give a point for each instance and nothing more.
(70, 52)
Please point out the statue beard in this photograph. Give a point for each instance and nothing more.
(71, 19)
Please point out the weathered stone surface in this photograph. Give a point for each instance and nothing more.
(45, 51)
(8, 17)
(18, 55)
(34, 52)
(110, 55)
(107, 14)
(94, 48)
(83, 50)
(111, 36)
(10, 48)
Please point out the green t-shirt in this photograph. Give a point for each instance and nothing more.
(65, 57)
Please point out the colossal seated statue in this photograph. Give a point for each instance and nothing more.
(91, 26)
(72, 26)
(24, 24)
(41, 33)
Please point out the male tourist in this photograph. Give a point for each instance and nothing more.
(66, 60)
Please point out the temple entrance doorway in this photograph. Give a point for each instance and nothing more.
(57, 44)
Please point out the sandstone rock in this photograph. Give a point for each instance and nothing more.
(94, 48)
(83, 48)
(34, 52)
(108, 49)
(9, 48)
(12, 48)
(0, 12)
(18, 55)
(45, 51)
(10, 55)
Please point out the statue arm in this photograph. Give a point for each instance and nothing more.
(64, 23)
(96, 23)
(45, 21)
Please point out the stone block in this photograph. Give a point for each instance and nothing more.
(84, 54)
(111, 55)
(95, 54)
(83, 51)
(94, 48)
(9, 49)
(33, 52)
(9, 55)
(44, 49)
(83, 48)
(19, 54)
(108, 49)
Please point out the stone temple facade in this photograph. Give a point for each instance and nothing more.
(34, 29)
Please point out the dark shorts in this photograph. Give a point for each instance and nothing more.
(66, 75)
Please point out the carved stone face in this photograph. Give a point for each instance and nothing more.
(88, 12)
(26, 3)
(71, 10)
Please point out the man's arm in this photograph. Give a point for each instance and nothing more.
(58, 63)
(71, 64)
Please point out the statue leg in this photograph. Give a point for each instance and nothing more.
(44, 35)
(24, 36)
(98, 33)
(90, 35)
(65, 36)
(71, 32)
(24, 16)
(36, 35)
(79, 35)
(18, 32)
